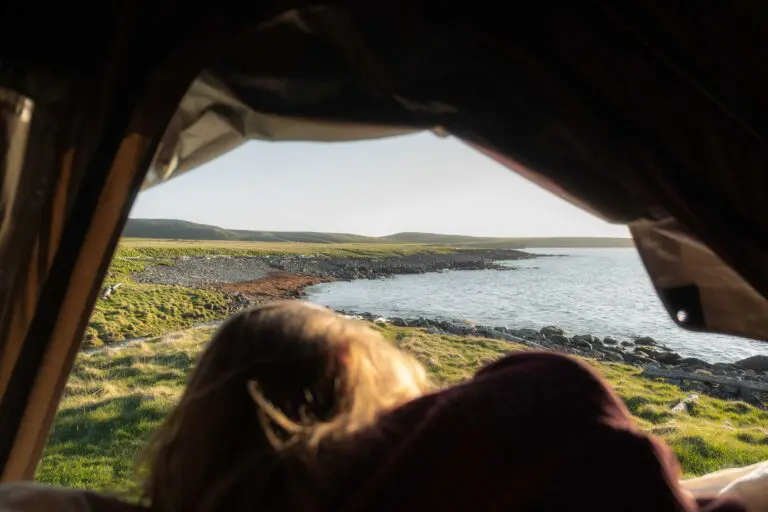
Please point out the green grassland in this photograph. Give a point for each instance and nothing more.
(160, 248)
(116, 397)
(138, 310)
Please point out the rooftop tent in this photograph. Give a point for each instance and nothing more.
(643, 112)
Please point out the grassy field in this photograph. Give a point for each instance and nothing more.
(159, 248)
(138, 310)
(116, 397)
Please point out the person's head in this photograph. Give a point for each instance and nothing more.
(274, 384)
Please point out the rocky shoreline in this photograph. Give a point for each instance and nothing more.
(744, 380)
(215, 270)
(255, 280)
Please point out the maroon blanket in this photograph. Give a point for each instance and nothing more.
(533, 431)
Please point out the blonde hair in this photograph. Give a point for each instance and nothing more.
(274, 384)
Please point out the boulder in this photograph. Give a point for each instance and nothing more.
(500, 329)
(419, 322)
(646, 341)
(398, 322)
(584, 337)
(551, 330)
(487, 332)
(727, 367)
(627, 344)
(512, 339)
(559, 339)
(530, 334)
(582, 344)
(613, 357)
(610, 341)
(758, 363)
(644, 351)
(380, 320)
(636, 358)
(666, 357)
(695, 362)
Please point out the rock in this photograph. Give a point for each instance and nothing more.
(398, 322)
(559, 339)
(610, 341)
(666, 357)
(584, 337)
(695, 362)
(758, 363)
(731, 390)
(646, 341)
(636, 358)
(487, 332)
(433, 330)
(512, 339)
(551, 330)
(727, 367)
(719, 371)
(696, 386)
(420, 322)
(582, 344)
(627, 344)
(613, 357)
(531, 334)
(596, 343)
(380, 320)
(750, 374)
(500, 329)
(644, 350)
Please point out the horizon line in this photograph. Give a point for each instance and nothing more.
(384, 236)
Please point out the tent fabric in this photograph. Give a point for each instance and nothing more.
(644, 112)
(211, 121)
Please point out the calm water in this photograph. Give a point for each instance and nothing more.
(605, 292)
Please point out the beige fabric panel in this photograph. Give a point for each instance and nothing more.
(210, 121)
(676, 259)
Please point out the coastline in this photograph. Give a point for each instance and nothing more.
(253, 280)
(745, 380)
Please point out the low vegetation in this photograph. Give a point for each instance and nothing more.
(116, 397)
(139, 310)
(165, 249)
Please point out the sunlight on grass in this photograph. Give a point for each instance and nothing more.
(115, 398)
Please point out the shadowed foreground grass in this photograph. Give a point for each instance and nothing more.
(115, 398)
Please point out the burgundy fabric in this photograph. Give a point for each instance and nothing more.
(533, 431)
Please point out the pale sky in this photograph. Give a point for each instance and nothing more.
(410, 183)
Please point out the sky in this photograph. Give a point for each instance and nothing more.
(409, 183)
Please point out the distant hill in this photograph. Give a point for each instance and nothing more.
(183, 230)
(472, 241)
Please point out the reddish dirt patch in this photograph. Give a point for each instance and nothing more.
(276, 286)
